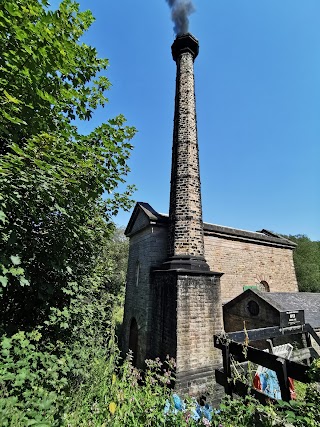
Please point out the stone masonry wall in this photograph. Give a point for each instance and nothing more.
(149, 249)
(235, 316)
(199, 317)
(163, 337)
(242, 264)
(186, 234)
(245, 263)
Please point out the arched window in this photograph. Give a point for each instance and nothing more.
(263, 286)
(133, 340)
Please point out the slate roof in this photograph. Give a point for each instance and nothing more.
(264, 237)
(289, 301)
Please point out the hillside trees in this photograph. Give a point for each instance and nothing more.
(306, 258)
(55, 223)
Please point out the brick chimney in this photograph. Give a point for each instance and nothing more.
(186, 245)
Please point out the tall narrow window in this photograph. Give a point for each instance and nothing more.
(137, 273)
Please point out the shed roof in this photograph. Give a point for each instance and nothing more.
(289, 301)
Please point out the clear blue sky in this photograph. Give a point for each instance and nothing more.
(258, 105)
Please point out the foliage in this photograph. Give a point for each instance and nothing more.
(314, 370)
(47, 76)
(123, 396)
(113, 259)
(58, 276)
(246, 412)
(54, 226)
(53, 221)
(306, 259)
(32, 381)
(118, 396)
(39, 371)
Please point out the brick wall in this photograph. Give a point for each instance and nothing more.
(248, 263)
(163, 336)
(242, 263)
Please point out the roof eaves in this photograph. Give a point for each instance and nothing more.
(257, 237)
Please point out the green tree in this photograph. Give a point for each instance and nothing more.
(115, 256)
(306, 259)
(52, 179)
(55, 224)
(47, 77)
(56, 290)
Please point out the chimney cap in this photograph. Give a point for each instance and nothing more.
(185, 43)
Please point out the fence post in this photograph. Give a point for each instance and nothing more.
(282, 375)
(227, 369)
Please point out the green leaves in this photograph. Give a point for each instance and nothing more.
(59, 272)
(11, 273)
(47, 77)
(4, 281)
(33, 381)
(52, 179)
(11, 98)
(306, 259)
(15, 259)
(3, 217)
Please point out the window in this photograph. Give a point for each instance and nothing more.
(253, 308)
(263, 286)
(137, 273)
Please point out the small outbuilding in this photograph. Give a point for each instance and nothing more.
(254, 309)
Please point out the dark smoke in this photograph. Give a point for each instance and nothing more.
(180, 10)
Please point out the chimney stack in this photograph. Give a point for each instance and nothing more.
(186, 244)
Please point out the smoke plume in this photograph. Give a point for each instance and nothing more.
(180, 10)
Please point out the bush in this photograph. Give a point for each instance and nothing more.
(32, 381)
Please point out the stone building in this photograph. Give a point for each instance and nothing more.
(180, 269)
(262, 309)
(259, 260)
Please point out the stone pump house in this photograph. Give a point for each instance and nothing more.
(181, 270)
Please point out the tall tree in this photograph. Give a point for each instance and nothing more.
(53, 217)
(56, 289)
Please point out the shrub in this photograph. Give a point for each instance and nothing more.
(33, 381)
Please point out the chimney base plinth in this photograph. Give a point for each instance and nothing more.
(186, 262)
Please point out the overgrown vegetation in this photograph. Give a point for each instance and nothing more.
(59, 276)
(116, 396)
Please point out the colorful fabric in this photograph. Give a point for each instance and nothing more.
(270, 384)
(257, 382)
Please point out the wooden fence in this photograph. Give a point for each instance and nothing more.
(235, 346)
